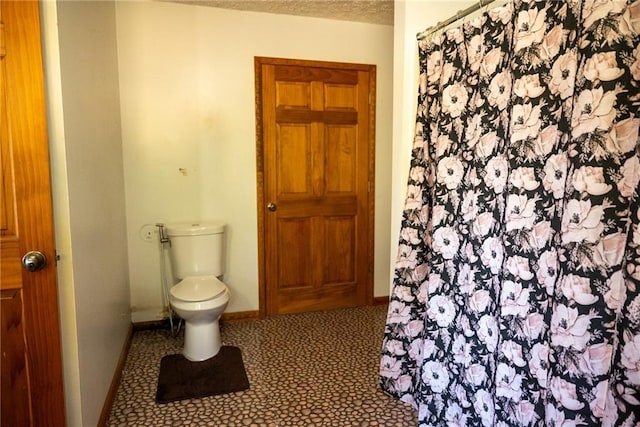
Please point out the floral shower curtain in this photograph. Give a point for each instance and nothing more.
(516, 289)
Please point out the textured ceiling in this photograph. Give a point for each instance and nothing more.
(370, 11)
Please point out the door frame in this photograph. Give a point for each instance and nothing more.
(259, 61)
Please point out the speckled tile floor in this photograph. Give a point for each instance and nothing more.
(311, 369)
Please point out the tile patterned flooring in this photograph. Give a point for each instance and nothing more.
(311, 369)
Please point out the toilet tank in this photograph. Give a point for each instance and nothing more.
(196, 248)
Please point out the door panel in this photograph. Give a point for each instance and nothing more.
(341, 156)
(340, 97)
(15, 381)
(315, 166)
(11, 267)
(32, 392)
(293, 94)
(294, 148)
(340, 251)
(295, 270)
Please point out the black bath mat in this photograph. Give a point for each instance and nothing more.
(182, 379)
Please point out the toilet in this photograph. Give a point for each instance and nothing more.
(198, 296)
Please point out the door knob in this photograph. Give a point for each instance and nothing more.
(34, 261)
(272, 207)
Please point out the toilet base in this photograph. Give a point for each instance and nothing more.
(201, 340)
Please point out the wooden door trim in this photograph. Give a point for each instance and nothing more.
(258, 65)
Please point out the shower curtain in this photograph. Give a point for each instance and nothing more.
(516, 288)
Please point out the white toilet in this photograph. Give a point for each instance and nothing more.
(198, 297)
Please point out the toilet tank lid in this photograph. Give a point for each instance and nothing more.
(194, 228)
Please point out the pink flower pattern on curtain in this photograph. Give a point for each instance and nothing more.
(516, 289)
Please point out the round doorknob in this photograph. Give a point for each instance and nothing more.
(34, 261)
(272, 207)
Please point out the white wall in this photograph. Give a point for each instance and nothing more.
(88, 194)
(187, 101)
(410, 18)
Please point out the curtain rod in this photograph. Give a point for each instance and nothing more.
(459, 15)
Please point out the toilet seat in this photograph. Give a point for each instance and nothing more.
(198, 288)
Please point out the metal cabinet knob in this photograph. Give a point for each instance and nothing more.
(34, 261)
(272, 207)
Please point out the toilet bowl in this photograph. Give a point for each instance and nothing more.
(200, 301)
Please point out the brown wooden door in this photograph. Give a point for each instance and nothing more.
(316, 141)
(31, 363)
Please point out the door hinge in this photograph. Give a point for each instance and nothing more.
(56, 256)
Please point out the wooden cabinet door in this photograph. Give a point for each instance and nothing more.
(317, 142)
(31, 363)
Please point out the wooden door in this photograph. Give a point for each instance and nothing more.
(315, 177)
(31, 363)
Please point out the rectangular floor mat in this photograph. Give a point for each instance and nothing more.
(182, 379)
